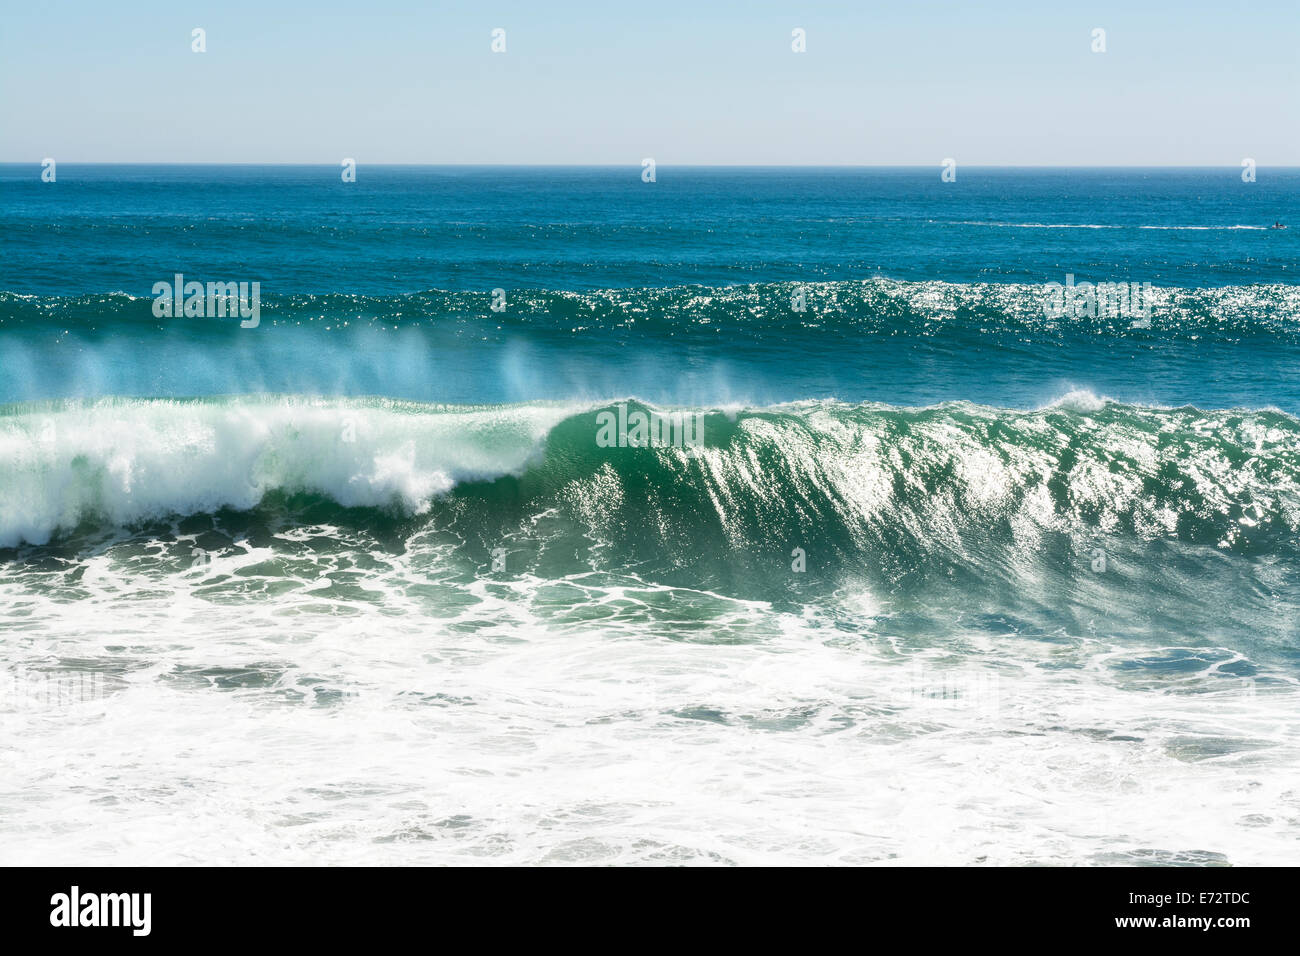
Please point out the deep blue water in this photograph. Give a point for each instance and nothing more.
(406, 229)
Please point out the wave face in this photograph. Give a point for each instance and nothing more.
(853, 475)
(958, 495)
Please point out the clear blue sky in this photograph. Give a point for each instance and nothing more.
(385, 81)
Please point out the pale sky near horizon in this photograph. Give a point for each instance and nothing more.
(394, 81)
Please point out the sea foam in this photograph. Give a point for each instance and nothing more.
(122, 461)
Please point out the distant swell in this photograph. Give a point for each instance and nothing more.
(875, 304)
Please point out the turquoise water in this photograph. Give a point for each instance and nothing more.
(942, 577)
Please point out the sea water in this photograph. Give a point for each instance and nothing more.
(945, 575)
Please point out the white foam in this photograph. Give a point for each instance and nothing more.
(497, 735)
(124, 461)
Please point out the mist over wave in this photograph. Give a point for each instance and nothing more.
(906, 343)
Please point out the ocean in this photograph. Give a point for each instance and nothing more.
(745, 516)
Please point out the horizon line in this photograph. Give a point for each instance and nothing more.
(637, 165)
